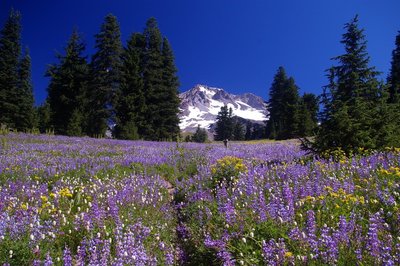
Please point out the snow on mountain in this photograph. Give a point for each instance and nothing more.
(201, 104)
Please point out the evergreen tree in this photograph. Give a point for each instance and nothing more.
(283, 108)
(308, 111)
(26, 116)
(106, 77)
(131, 106)
(224, 125)
(352, 100)
(169, 104)
(200, 135)
(238, 131)
(152, 77)
(394, 74)
(43, 117)
(67, 90)
(10, 52)
(248, 133)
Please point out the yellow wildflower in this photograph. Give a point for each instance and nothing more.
(65, 192)
(288, 254)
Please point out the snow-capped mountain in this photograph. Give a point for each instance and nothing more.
(201, 104)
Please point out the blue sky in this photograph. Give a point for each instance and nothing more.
(234, 44)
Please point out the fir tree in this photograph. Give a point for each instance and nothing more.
(200, 135)
(26, 116)
(224, 124)
(283, 120)
(106, 77)
(248, 133)
(308, 111)
(352, 100)
(152, 76)
(169, 104)
(10, 52)
(131, 106)
(238, 131)
(394, 74)
(67, 90)
(43, 114)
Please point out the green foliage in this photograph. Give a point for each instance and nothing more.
(26, 117)
(106, 77)
(308, 110)
(355, 112)
(200, 135)
(224, 125)
(238, 131)
(67, 91)
(43, 116)
(16, 93)
(227, 170)
(283, 107)
(394, 74)
(130, 107)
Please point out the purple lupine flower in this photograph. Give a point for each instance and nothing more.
(397, 254)
(67, 258)
(48, 261)
(311, 229)
(81, 254)
(373, 243)
(327, 242)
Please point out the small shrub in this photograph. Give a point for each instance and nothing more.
(227, 170)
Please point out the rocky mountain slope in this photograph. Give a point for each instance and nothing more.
(201, 104)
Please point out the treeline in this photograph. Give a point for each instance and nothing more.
(290, 116)
(16, 91)
(129, 91)
(231, 127)
(359, 111)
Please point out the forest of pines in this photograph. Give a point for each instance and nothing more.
(131, 92)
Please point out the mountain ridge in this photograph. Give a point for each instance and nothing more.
(200, 106)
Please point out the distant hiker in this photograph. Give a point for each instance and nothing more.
(225, 143)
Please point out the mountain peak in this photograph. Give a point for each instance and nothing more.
(201, 104)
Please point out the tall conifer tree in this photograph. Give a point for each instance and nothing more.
(67, 90)
(131, 106)
(169, 104)
(224, 124)
(26, 116)
(10, 52)
(283, 107)
(394, 74)
(352, 100)
(106, 77)
(152, 76)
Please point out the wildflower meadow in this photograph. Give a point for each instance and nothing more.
(83, 201)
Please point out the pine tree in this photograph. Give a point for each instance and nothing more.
(131, 106)
(308, 110)
(153, 82)
(352, 100)
(283, 103)
(169, 104)
(224, 124)
(238, 131)
(394, 74)
(10, 52)
(67, 90)
(200, 135)
(248, 133)
(43, 114)
(106, 77)
(26, 116)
